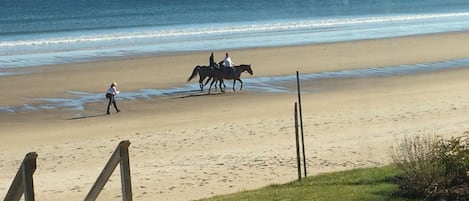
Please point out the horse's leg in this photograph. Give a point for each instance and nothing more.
(201, 81)
(220, 81)
(216, 82)
(209, 78)
(241, 88)
(234, 82)
(211, 85)
(207, 81)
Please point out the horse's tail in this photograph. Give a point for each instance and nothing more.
(194, 73)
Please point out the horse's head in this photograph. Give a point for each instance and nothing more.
(248, 68)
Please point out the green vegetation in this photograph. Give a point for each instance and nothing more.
(370, 184)
(433, 168)
(424, 168)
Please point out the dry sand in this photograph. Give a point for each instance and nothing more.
(189, 146)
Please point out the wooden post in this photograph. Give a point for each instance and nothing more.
(120, 155)
(301, 122)
(297, 143)
(125, 173)
(23, 181)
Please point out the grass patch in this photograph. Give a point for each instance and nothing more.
(369, 184)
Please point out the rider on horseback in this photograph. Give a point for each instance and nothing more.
(228, 63)
(212, 62)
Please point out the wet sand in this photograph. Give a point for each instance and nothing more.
(192, 145)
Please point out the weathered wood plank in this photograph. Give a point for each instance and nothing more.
(23, 181)
(109, 168)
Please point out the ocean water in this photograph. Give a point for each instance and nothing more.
(34, 33)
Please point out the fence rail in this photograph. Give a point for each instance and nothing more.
(120, 156)
(23, 181)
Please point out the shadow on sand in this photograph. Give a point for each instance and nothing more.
(88, 116)
(199, 95)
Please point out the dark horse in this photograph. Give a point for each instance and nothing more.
(227, 73)
(204, 72)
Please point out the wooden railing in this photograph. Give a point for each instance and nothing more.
(23, 181)
(120, 156)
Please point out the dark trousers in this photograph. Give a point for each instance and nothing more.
(113, 101)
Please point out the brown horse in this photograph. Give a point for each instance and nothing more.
(219, 74)
(203, 72)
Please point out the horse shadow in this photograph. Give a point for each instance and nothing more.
(87, 116)
(201, 94)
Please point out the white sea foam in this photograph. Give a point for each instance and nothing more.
(224, 29)
(53, 48)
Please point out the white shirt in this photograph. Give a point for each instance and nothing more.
(112, 90)
(227, 62)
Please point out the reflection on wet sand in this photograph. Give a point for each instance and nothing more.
(274, 84)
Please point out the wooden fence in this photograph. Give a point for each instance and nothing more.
(120, 155)
(23, 181)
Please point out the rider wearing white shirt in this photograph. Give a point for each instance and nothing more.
(227, 61)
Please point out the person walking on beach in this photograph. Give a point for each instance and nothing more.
(111, 92)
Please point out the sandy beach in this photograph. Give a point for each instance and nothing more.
(193, 145)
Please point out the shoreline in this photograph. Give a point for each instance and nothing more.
(176, 53)
(77, 100)
(326, 57)
(143, 54)
(194, 146)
